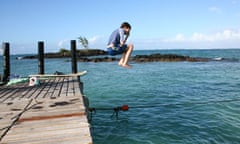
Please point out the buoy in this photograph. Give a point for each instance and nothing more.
(124, 108)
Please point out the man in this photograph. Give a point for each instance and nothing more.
(117, 44)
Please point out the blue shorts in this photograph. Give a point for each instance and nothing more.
(117, 50)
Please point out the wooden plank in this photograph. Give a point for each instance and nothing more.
(51, 118)
(56, 107)
(3, 91)
(66, 75)
(48, 88)
(9, 119)
(70, 87)
(46, 85)
(39, 124)
(12, 92)
(29, 90)
(58, 88)
(64, 89)
(59, 130)
(40, 89)
(76, 86)
(7, 114)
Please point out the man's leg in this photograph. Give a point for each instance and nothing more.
(126, 56)
(122, 59)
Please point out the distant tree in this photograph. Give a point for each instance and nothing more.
(64, 51)
(83, 41)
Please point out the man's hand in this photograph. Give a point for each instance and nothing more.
(123, 42)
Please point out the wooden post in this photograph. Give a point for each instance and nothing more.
(40, 57)
(74, 57)
(6, 62)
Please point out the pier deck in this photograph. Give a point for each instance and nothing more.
(53, 112)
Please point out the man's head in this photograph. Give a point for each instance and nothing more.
(126, 27)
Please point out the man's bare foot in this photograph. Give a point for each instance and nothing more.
(126, 66)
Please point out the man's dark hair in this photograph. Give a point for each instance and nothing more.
(125, 24)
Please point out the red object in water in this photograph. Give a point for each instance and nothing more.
(124, 108)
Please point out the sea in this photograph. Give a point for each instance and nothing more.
(169, 102)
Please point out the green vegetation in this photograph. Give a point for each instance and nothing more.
(64, 52)
(83, 41)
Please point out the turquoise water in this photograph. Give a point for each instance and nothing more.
(178, 92)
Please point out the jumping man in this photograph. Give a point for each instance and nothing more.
(117, 44)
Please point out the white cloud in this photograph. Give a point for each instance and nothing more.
(95, 39)
(214, 9)
(200, 37)
(180, 37)
(228, 38)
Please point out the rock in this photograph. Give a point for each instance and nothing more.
(91, 52)
(30, 57)
(104, 59)
(165, 58)
(80, 53)
(82, 56)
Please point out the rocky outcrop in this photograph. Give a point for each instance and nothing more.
(84, 56)
(165, 58)
(104, 59)
(148, 58)
(66, 54)
(91, 52)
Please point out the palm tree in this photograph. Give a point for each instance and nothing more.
(83, 41)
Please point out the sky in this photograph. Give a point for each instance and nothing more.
(156, 24)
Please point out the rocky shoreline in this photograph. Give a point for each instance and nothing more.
(66, 54)
(86, 56)
(147, 58)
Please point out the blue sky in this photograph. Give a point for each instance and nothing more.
(156, 24)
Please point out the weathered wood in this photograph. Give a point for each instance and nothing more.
(56, 113)
(65, 75)
(74, 56)
(64, 88)
(40, 57)
(6, 62)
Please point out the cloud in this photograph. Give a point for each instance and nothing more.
(229, 38)
(95, 39)
(214, 9)
(180, 37)
(200, 37)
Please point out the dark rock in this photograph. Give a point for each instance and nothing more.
(103, 59)
(80, 53)
(84, 53)
(30, 57)
(165, 58)
(91, 52)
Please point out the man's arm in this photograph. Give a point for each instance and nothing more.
(124, 41)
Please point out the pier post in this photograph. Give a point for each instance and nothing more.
(74, 56)
(6, 62)
(40, 57)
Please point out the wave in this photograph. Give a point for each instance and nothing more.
(218, 59)
(225, 59)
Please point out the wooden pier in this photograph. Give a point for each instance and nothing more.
(53, 112)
